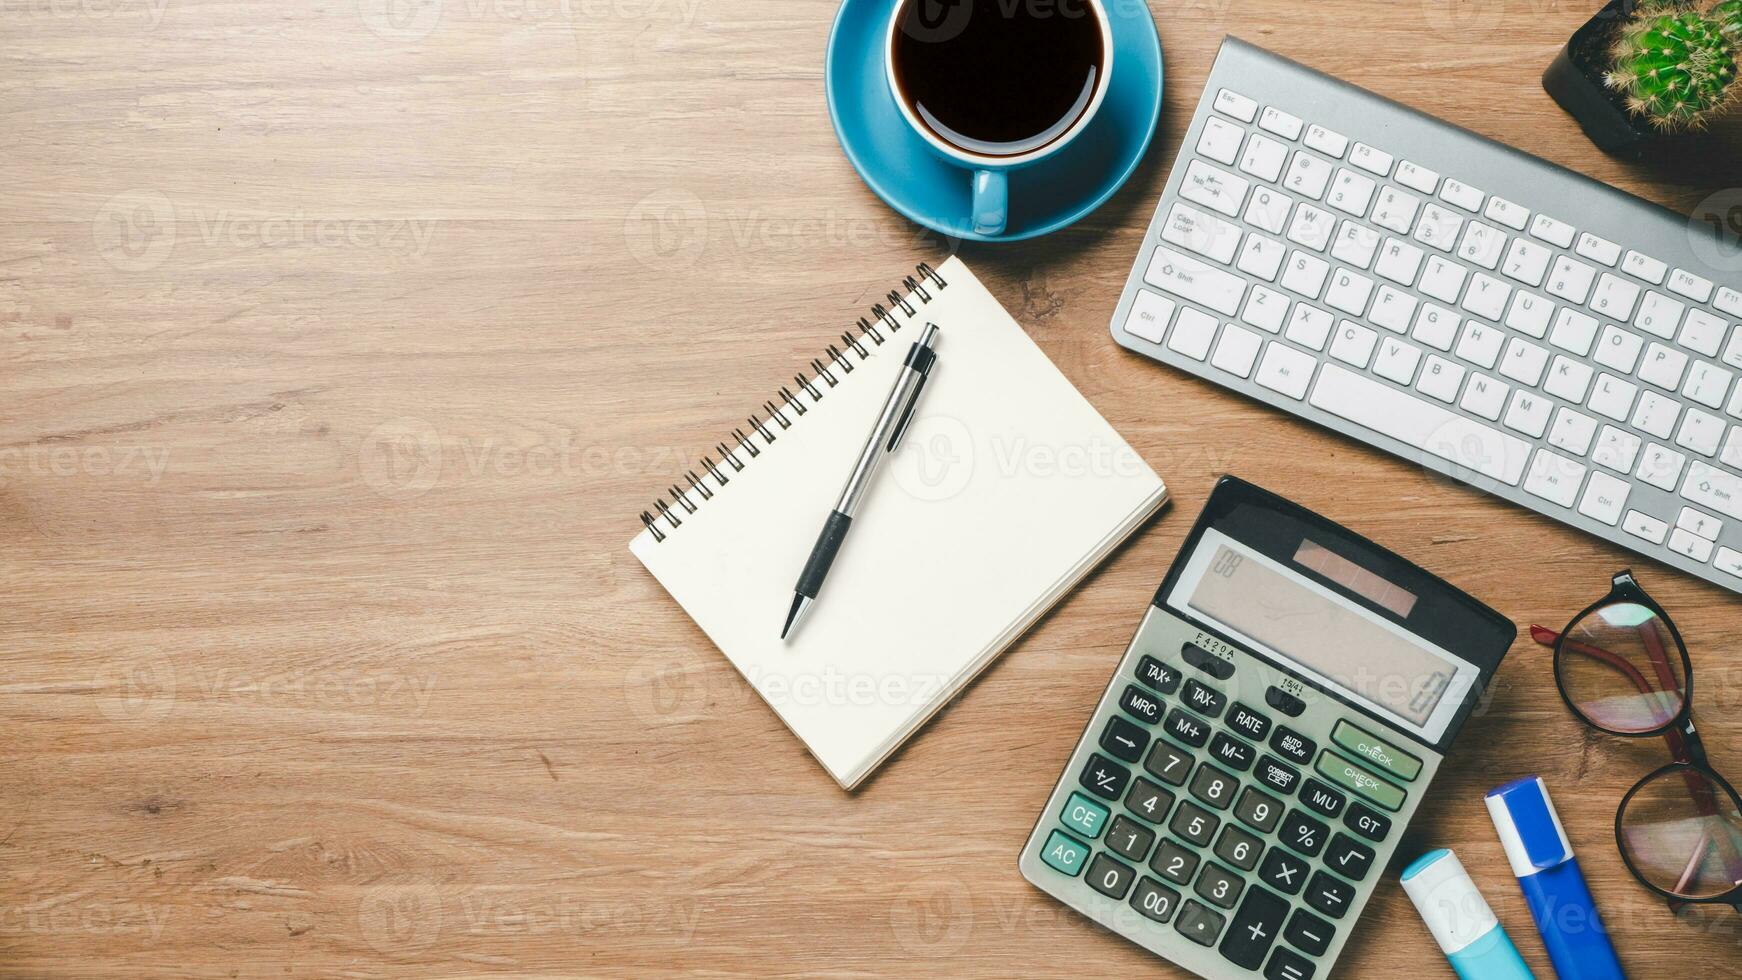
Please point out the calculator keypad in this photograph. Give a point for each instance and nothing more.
(1248, 829)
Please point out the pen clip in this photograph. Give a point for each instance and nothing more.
(908, 412)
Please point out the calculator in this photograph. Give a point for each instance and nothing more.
(1278, 718)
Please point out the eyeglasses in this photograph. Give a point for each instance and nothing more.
(1621, 667)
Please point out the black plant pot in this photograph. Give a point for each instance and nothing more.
(1575, 80)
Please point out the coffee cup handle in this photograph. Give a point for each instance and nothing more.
(991, 202)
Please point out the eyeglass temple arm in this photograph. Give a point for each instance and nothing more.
(1544, 636)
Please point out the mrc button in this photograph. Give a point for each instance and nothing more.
(1375, 751)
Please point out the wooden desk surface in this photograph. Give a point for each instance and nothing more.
(344, 342)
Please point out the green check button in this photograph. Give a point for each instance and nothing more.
(1376, 751)
(1065, 853)
(1351, 776)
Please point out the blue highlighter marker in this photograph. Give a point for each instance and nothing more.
(1460, 919)
(1554, 887)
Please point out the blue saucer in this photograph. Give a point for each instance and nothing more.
(902, 169)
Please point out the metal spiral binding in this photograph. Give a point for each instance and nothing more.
(682, 500)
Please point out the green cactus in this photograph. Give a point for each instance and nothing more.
(1728, 16)
(1676, 70)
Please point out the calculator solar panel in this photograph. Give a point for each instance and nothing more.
(1274, 725)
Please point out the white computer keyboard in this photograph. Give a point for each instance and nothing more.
(1454, 301)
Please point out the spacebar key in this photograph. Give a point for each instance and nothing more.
(1199, 283)
(1429, 428)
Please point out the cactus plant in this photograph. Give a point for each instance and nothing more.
(1728, 16)
(1675, 70)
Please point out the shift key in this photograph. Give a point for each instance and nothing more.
(1714, 488)
(1195, 282)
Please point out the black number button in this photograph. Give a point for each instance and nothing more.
(1291, 744)
(1248, 722)
(1104, 777)
(1187, 729)
(1232, 752)
(1194, 824)
(1283, 872)
(1367, 822)
(1320, 798)
(1274, 775)
(1308, 932)
(1284, 702)
(1168, 764)
(1141, 704)
(1219, 886)
(1239, 848)
(1109, 877)
(1148, 801)
(1214, 786)
(1303, 834)
(1349, 857)
(1174, 863)
(1154, 900)
(1260, 812)
(1328, 895)
(1200, 923)
(1124, 740)
(1206, 661)
(1129, 839)
(1255, 928)
(1158, 675)
(1285, 964)
(1206, 701)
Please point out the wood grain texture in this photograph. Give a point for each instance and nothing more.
(342, 344)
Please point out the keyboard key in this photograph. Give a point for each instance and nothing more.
(1351, 193)
(1255, 928)
(1258, 811)
(1269, 210)
(1613, 398)
(1154, 900)
(1574, 331)
(1283, 871)
(1214, 188)
(1261, 257)
(1312, 227)
(1555, 478)
(1482, 244)
(1526, 262)
(1206, 701)
(1421, 424)
(1663, 367)
(1704, 525)
(1703, 333)
(1349, 292)
(1239, 848)
(1524, 362)
(1714, 489)
(1480, 344)
(1220, 141)
(1292, 745)
(1728, 561)
(1281, 123)
(1286, 370)
(1129, 839)
(1645, 267)
(1690, 545)
(1149, 317)
(1616, 449)
(1619, 349)
(1399, 262)
(1485, 396)
(1168, 764)
(1462, 194)
(1109, 877)
(1393, 309)
(1355, 244)
(1661, 467)
(1285, 964)
(1645, 526)
(1195, 282)
(1104, 777)
(1321, 799)
(1598, 249)
(1656, 415)
(1569, 380)
(1326, 141)
(1305, 274)
(1218, 885)
(1309, 933)
(1329, 896)
(1194, 824)
(1199, 923)
(1234, 104)
(1530, 314)
(1303, 834)
(1214, 787)
(1231, 752)
(1264, 158)
(1309, 326)
(1571, 280)
(1187, 728)
(1511, 215)
(1660, 315)
(1553, 231)
(1350, 776)
(1366, 821)
(1157, 675)
(1349, 857)
(1064, 853)
(1148, 801)
(1123, 740)
(1140, 704)
(1274, 775)
(1396, 210)
(1308, 175)
(1439, 228)
(1237, 350)
(1353, 344)
(1529, 414)
(1371, 160)
(1247, 722)
(1201, 233)
(1700, 432)
(1572, 431)
(1174, 863)
(1615, 297)
(1417, 177)
(1486, 297)
(1436, 327)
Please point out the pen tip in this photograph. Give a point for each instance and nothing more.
(800, 603)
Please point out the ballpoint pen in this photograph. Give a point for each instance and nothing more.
(885, 437)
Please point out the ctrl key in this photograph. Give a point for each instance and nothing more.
(1150, 315)
(1064, 853)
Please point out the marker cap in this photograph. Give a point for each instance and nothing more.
(1530, 830)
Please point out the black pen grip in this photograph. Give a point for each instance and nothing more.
(810, 581)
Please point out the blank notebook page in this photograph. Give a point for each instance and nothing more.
(1007, 489)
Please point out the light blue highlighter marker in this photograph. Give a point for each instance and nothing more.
(1460, 919)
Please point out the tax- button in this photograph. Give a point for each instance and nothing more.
(1376, 751)
(1351, 776)
(1206, 701)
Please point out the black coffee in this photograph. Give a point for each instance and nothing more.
(998, 77)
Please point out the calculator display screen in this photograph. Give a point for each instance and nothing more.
(1262, 601)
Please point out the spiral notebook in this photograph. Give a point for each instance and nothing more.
(1006, 491)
